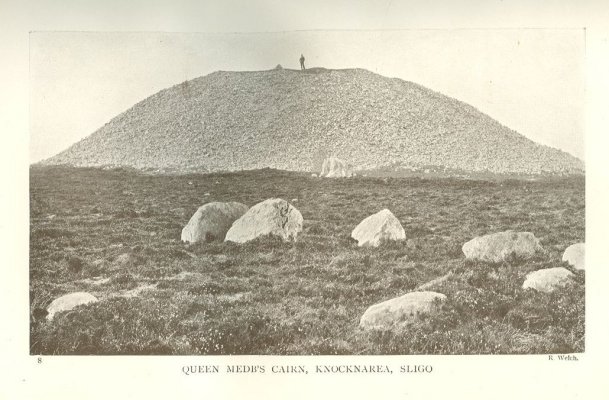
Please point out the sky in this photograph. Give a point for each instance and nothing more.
(531, 80)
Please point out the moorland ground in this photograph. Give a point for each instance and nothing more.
(116, 234)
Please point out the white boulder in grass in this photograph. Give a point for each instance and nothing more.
(335, 168)
(399, 310)
(575, 255)
(548, 280)
(379, 227)
(274, 217)
(498, 247)
(211, 221)
(68, 302)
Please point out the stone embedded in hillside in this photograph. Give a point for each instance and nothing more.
(498, 247)
(274, 217)
(399, 310)
(68, 302)
(548, 280)
(335, 168)
(379, 227)
(211, 221)
(575, 255)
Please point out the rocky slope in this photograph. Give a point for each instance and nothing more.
(292, 120)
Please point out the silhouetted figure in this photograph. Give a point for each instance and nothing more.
(302, 67)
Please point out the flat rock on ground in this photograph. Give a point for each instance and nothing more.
(498, 247)
(211, 221)
(399, 310)
(575, 255)
(68, 302)
(274, 217)
(548, 280)
(379, 227)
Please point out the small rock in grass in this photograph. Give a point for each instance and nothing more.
(548, 280)
(274, 217)
(378, 227)
(399, 310)
(575, 255)
(498, 247)
(124, 258)
(68, 302)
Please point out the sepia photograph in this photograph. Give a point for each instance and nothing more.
(263, 199)
(307, 193)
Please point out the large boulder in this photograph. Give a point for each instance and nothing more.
(548, 280)
(400, 310)
(335, 168)
(274, 217)
(212, 221)
(379, 227)
(575, 255)
(68, 302)
(500, 246)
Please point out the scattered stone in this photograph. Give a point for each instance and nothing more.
(206, 194)
(68, 302)
(212, 221)
(124, 258)
(97, 263)
(96, 281)
(434, 282)
(314, 175)
(498, 247)
(548, 280)
(400, 310)
(378, 227)
(271, 217)
(278, 67)
(335, 168)
(575, 255)
(136, 291)
(186, 275)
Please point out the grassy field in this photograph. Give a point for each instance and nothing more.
(116, 234)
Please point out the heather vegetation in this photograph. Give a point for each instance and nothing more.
(116, 234)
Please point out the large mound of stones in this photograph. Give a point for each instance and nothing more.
(292, 120)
